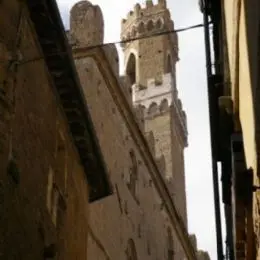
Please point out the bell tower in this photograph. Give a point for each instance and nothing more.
(150, 63)
(150, 57)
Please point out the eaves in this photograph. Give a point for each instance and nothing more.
(58, 58)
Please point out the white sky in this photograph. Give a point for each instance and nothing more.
(191, 79)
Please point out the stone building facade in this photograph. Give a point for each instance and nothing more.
(85, 172)
(136, 222)
(45, 186)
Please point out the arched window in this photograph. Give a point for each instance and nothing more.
(133, 174)
(141, 27)
(150, 26)
(169, 68)
(164, 106)
(131, 68)
(158, 24)
(153, 109)
(170, 244)
(131, 250)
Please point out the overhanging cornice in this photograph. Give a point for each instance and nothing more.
(59, 61)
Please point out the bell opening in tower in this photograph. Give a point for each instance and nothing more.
(131, 69)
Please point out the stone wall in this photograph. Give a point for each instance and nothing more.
(135, 211)
(164, 116)
(43, 188)
(151, 64)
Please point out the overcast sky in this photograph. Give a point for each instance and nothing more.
(191, 79)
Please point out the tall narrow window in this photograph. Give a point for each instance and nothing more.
(131, 68)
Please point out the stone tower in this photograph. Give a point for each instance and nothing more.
(150, 65)
(160, 50)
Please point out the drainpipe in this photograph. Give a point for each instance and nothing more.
(212, 112)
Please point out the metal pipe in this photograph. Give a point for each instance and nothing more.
(211, 95)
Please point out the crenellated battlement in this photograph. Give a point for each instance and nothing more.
(158, 97)
(142, 11)
(146, 19)
(155, 92)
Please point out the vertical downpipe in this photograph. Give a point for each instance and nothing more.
(211, 96)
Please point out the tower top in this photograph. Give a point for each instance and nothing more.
(156, 51)
(139, 13)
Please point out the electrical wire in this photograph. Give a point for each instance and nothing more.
(149, 36)
(184, 29)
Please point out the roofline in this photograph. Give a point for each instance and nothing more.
(66, 85)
